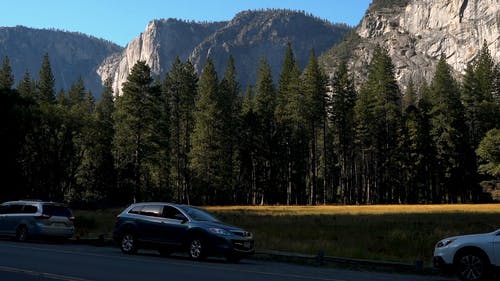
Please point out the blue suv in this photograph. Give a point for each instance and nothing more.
(171, 227)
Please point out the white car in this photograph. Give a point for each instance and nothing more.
(471, 257)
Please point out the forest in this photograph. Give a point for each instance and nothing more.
(200, 139)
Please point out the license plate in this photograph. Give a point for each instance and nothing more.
(247, 244)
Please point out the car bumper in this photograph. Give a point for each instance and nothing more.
(440, 264)
(232, 247)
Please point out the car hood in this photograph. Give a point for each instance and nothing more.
(209, 224)
(474, 236)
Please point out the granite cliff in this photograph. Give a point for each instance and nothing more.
(247, 37)
(417, 32)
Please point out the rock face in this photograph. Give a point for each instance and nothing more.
(72, 55)
(417, 32)
(158, 45)
(247, 37)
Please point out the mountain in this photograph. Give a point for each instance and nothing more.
(158, 45)
(417, 32)
(72, 55)
(249, 36)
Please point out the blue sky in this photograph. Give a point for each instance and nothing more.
(121, 21)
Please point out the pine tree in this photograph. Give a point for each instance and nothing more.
(180, 89)
(230, 108)
(264, 107)
(26, 86)
(290, 130)
(410, 147)
(248, 148)
(104, 173)
(314, 87)
(341, 115)
(379, 129)
(46, 82)
(6, 77)
(206, 149)
(447, 134)
(141, 138)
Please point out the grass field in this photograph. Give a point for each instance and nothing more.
(401, 233)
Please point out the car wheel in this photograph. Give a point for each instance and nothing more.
(197, 249)
(22, 233)
(471, 266)
(128, 243)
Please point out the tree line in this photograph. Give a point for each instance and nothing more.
(201, 139)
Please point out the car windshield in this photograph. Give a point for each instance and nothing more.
(199, 215)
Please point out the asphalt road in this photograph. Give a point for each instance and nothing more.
(44, 261)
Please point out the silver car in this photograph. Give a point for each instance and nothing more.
(27, 219)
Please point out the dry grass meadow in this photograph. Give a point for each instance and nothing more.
(400, 233)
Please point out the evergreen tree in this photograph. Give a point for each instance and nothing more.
(46, 82)
(141, 137)
(248, 149)
(230, 109)
(447, 135)
(412, 159)
(101, 154)
(206, 150)
(290, 121)
(264, 107)
(314, 87)
(379, 128)
(341, 115)
(26, 87)
(180, 89)
(6, 77)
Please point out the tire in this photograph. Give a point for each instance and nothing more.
(128, 243)
(471, 266)
(22, 233)
(197, 248)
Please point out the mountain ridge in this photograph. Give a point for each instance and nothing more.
(67, 51)
(249, 36)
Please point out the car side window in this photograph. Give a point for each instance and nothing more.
(170, 212)
(4, 209)
(15, 209)
(151, 210)
(135, 210)
(30, 209)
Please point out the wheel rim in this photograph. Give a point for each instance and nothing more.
(471, 267)
(195, 249)
(22, 234)
(128, 242)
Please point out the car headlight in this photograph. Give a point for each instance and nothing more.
(444, 243)
(219, 231)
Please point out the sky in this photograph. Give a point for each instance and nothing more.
(120, 21)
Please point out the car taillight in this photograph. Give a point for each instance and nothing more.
(117, 218)
(43, 217)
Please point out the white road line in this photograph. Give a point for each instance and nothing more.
(41, 274)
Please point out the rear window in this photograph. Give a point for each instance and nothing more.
(57, 211)
(30, 209)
